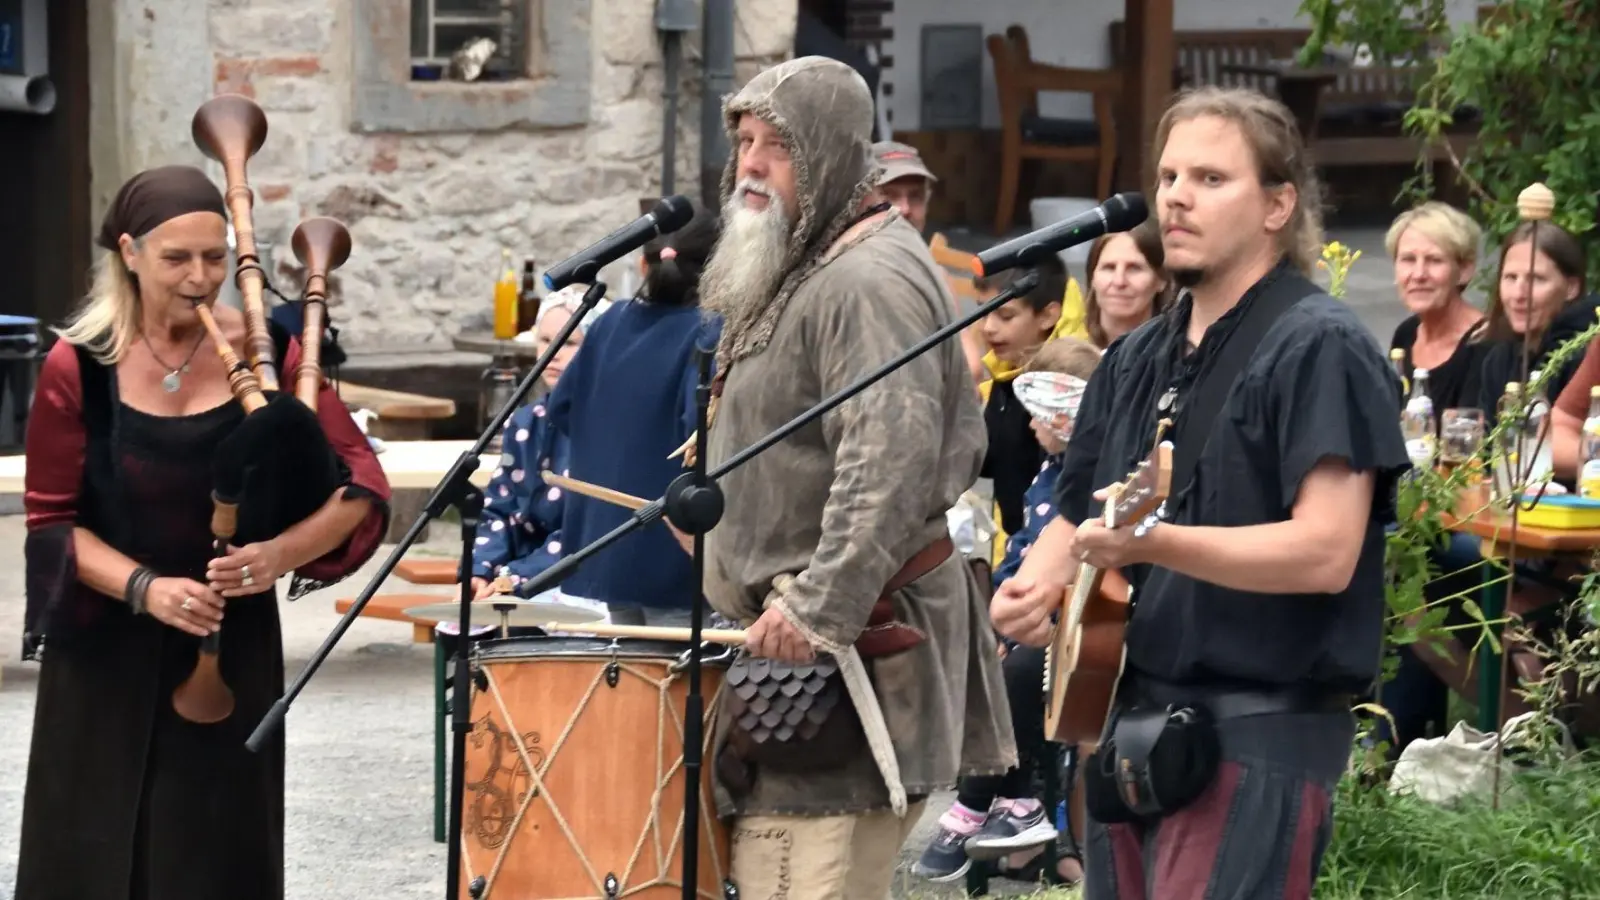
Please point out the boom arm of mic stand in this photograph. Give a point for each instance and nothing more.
(455, 485)
(677, 495)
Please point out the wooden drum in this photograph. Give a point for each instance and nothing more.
(574, 770)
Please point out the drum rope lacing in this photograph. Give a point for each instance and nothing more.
(536, 776)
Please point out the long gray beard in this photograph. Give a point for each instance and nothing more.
(748, 264)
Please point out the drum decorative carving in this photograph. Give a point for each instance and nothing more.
(496, 796)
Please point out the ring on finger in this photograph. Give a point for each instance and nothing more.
(244, 573)
(247, 580)
(188, 604)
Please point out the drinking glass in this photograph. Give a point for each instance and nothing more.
(1461, 432)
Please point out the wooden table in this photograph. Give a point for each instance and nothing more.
(409, 465)
(525, 352)
(402, 416)
(1529, 542)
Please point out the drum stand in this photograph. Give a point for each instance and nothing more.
(456, 491)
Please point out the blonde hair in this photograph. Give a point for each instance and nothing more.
(1280, 151)
(107, 320)
(1453, 230)
(1066, 355)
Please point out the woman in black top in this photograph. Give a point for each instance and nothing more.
(1539, 298)
(1435, 251)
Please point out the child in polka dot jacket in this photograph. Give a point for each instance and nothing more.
(519, 532)
(996, 817)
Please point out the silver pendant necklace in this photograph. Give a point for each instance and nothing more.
(173, 380)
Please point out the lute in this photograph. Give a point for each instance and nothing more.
(1084, 661)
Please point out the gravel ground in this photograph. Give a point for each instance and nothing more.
(360, 744)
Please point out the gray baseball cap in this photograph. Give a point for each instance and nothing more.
(899, 161)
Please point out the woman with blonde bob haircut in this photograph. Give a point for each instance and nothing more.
(125, 799)
(1435, 251)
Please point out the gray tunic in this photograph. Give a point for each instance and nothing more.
(845, 502)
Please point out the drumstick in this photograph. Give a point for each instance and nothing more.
(594, 490)
(605, 629)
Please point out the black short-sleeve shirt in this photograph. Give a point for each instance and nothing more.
(1317, 386)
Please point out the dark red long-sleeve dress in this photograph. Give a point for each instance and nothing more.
(124, 800)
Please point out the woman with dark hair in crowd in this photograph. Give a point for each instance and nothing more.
(1127, 285)
(1539, 297)
(625, 404)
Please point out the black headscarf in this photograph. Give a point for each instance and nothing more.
(154, 196)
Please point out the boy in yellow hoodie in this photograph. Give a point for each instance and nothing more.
(1014, 332)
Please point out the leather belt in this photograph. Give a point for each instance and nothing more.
(1237, 703)
(884, 635)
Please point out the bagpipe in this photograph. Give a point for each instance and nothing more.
(277, 467)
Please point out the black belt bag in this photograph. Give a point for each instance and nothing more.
(1159, 757)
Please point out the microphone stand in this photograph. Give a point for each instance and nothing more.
(693, 503)
(695, 508)
(454, 490)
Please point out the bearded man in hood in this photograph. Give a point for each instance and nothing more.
(833, 549)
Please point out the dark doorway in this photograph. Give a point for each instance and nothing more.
(44, 178)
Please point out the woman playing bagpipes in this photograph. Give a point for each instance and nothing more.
(132, 420)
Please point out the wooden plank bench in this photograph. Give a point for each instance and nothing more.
(428, 571)
(392, 607)
(402, 416)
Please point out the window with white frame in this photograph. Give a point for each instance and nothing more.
(440, 28)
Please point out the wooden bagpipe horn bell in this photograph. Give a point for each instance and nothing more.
(321, 245)
(231, 128)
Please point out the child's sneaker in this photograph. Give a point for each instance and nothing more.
(1006, 831)
(945, 858)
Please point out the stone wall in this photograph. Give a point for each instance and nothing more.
(429, 209)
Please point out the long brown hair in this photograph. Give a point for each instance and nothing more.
(1147, 238)
(1281, 157)
(1555, 244)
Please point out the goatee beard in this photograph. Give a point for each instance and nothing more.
(749, 261)
(1187, 278)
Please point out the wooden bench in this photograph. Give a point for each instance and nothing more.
(392, 607)
(402, 416)
(1359, 121)
(428, 571)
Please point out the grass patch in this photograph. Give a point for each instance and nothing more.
(1541, 843)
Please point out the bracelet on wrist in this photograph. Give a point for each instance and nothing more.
(138, 586)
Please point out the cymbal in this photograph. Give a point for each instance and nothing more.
(535, 613)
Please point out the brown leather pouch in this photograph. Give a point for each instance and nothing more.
(793, 717)
(798, 717)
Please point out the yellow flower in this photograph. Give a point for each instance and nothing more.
(1337, 259)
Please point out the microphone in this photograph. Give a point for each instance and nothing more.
(1123, 212)
(669, 214)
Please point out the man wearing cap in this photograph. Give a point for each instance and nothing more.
(905, 183)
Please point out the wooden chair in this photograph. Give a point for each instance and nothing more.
(1025, 134)
(958, 269)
